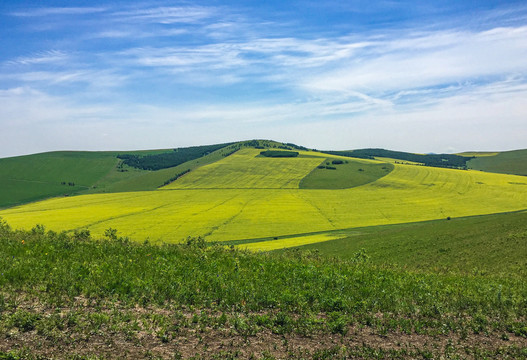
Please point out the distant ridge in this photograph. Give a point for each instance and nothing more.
(435, 160)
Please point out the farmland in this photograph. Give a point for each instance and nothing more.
(244, 196)
(389, 260)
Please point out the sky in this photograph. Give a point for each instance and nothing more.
(410, 75)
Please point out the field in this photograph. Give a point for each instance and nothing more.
(222, 201)
(507, 162)
(350, 174)
(246, 170)
(33, 177)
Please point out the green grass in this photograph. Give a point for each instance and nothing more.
(490, 244)
(350, 174)
(65, 292)
(29, 178)
(507, 162)
(33, 177)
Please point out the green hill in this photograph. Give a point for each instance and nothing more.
(29, 178)
(34, 177)
(507, 162)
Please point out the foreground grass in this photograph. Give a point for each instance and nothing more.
(64, 296)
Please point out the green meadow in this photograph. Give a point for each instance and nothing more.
(507, 162)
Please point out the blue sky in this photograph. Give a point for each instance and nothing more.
(418, 76)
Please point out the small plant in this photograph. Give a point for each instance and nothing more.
(110, 234)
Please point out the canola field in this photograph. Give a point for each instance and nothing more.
(288, 242)
(248, 197)
(246, 170)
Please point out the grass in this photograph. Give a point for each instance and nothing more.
(407, 194)
(507, 162)
(69, 295)
(489, 244)
(29, 178)
(350, 174)
(33, 177)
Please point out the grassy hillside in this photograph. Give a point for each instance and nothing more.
(33, 177)
(488, 244)
(344, 174)
(507, 162)
(70, 297)
(216, 201)
(151, 180)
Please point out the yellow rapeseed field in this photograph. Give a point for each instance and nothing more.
(243, 197)
(245, 170)
(288, 242)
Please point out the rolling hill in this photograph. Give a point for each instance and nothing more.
(243, 196)
(64, 173)
(507, 162)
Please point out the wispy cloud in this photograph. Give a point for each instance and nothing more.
(50, 11)
(428, 60)
(44, 57)
(167, 15)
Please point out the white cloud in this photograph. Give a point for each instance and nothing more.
(47, 11)
(427, 60)
(167, 15)
(45, 57)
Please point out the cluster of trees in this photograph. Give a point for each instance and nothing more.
(436, 160)
(279, 153)
(70, 183)
(297, 147)
(175, 177)
(232, 151)
(165, 160)
(263, 144)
